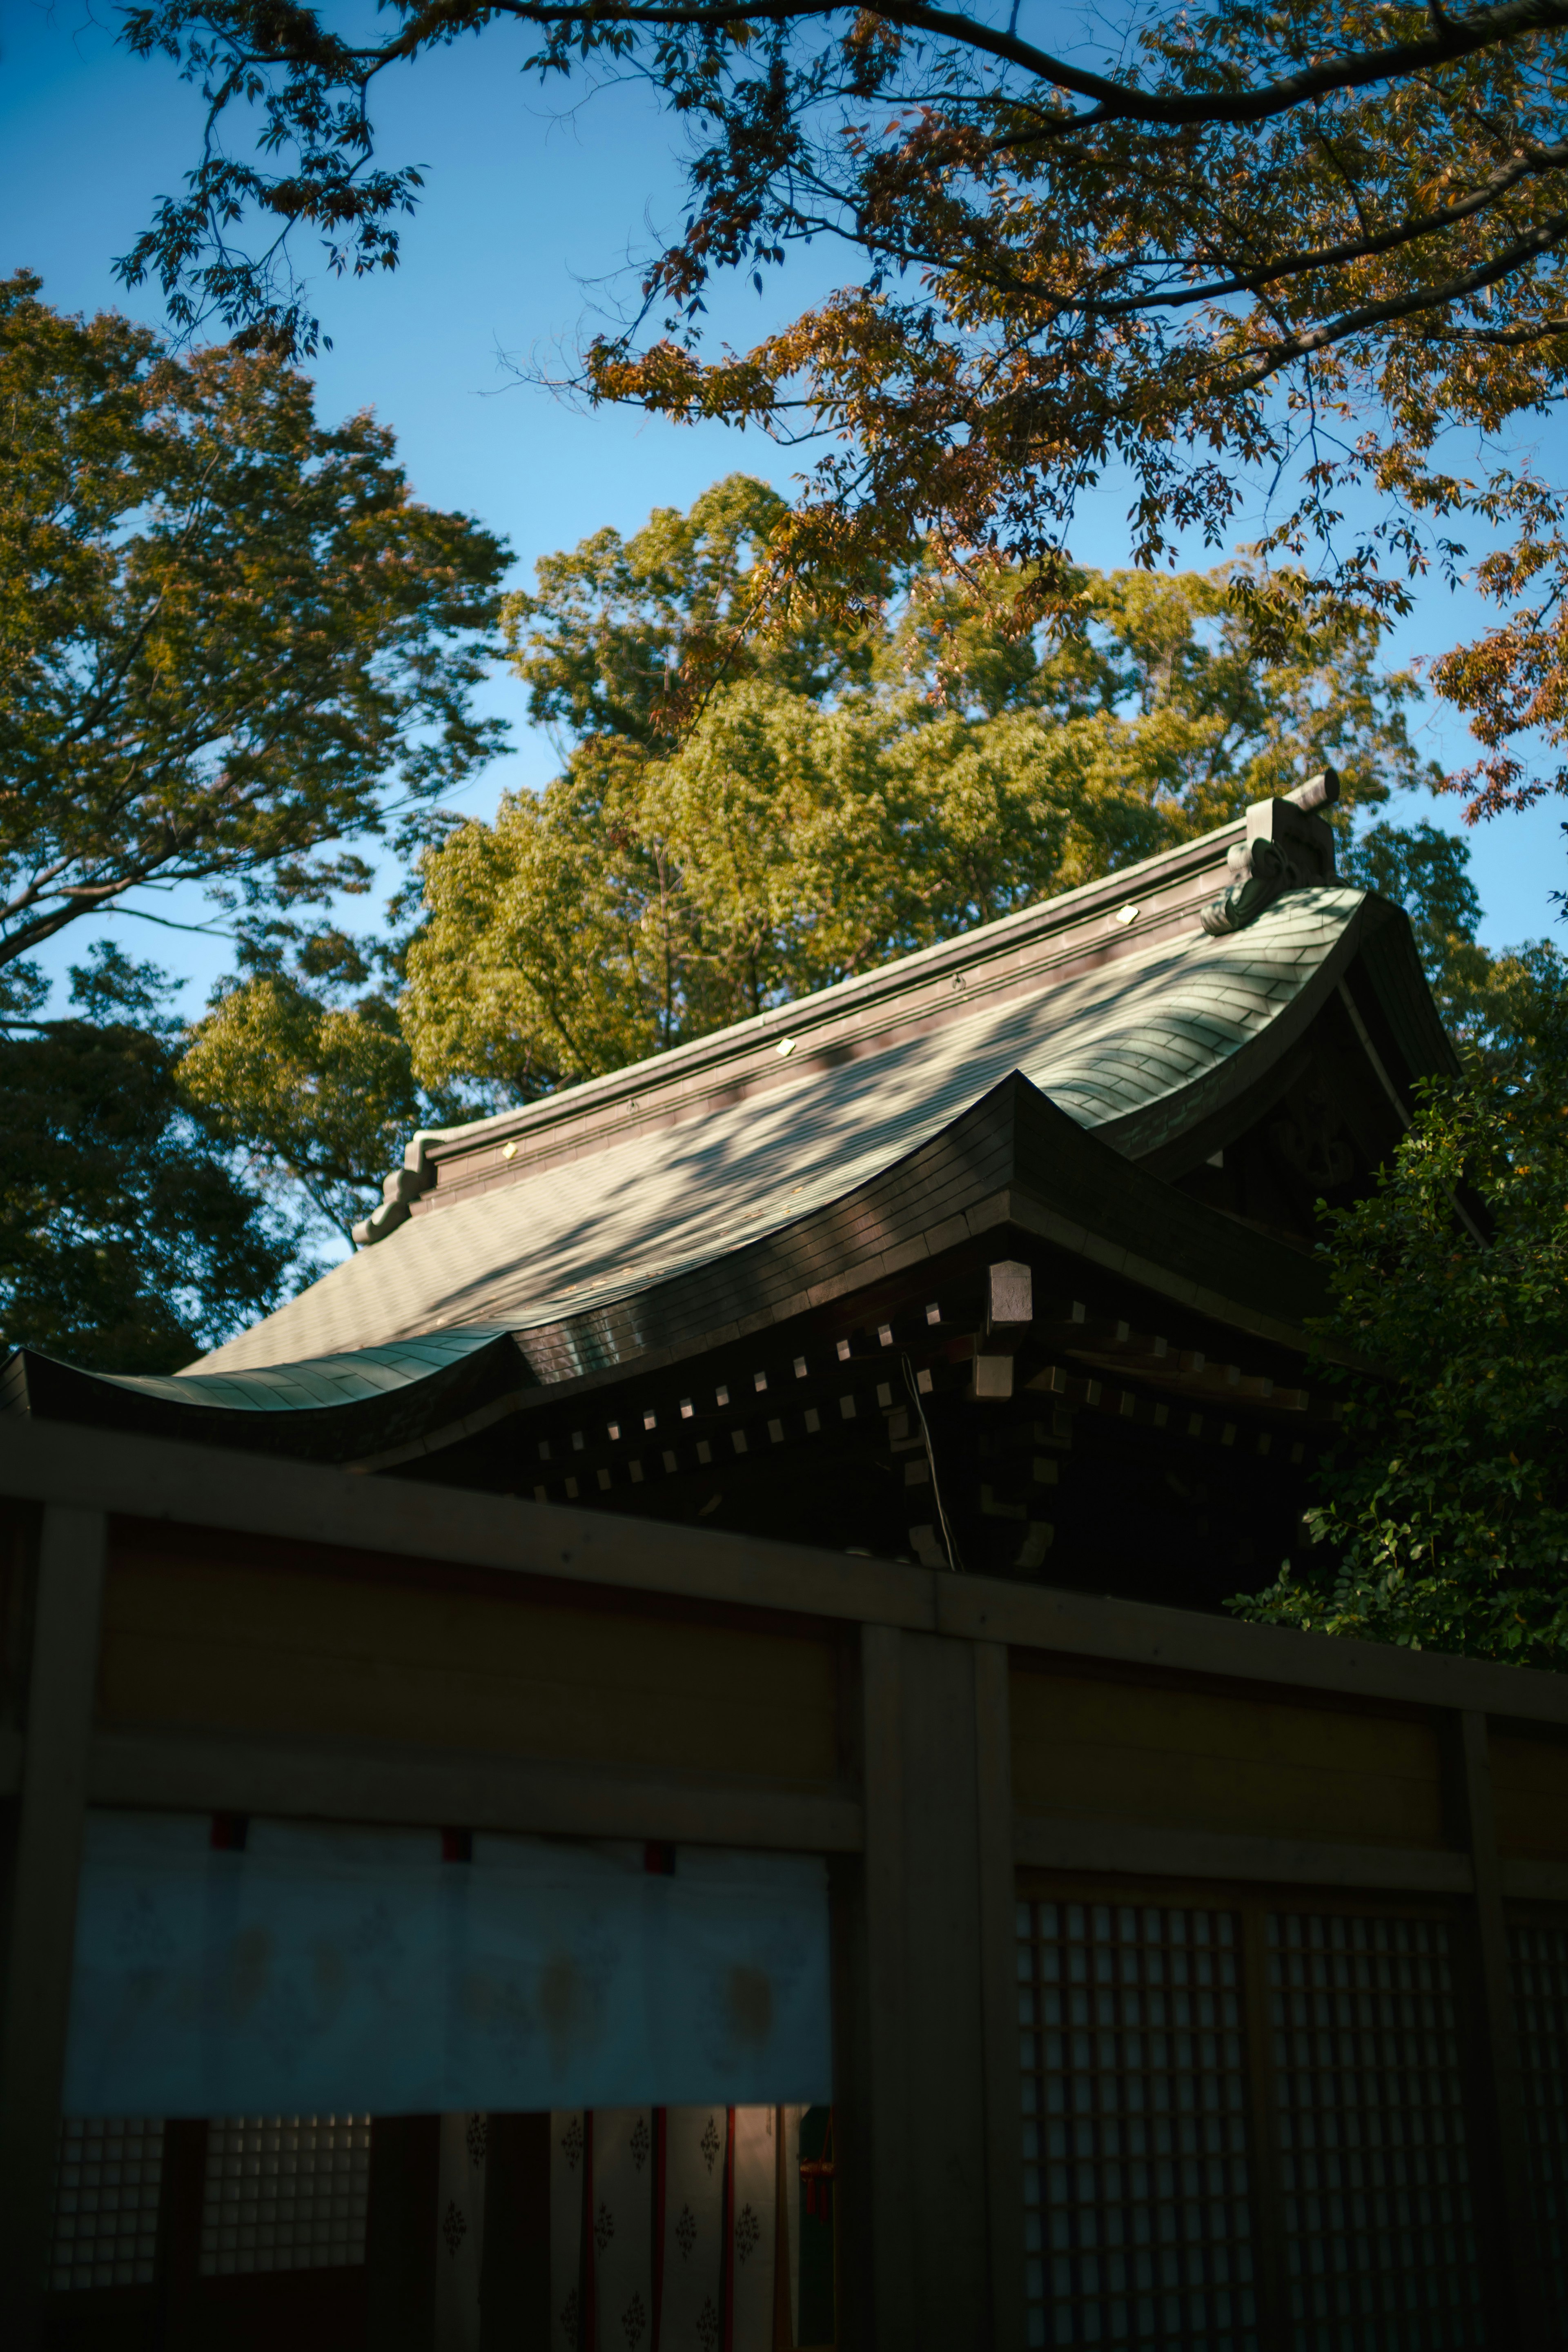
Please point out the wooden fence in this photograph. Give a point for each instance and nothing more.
(1195, 1983)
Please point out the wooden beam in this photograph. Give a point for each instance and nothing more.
(46, 1861)
(1514, 2273)
(1141, 1633)
(1132, 1849)
(208, 1486)
(202, 1486)
(211, 1773)
(999, 1993)
(1032, 1215)
(1525, 1880)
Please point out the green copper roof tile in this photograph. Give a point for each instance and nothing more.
(293, 1387)
(1137, 1047)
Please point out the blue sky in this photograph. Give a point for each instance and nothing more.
(529, 215)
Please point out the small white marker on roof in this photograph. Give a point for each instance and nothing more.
(784, 1047)
(1128, 914)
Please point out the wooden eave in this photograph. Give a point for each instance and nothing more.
(1012, 1163)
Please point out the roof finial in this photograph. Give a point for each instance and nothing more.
(1287, 846)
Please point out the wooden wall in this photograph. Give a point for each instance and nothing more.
(191, 1631)
(252, 1636)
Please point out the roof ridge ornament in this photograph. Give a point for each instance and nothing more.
(398, 1193)
(1287, 846)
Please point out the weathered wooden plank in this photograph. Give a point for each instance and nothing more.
(1089, 1625)
(998, 1895)
(944, 2058)
(1530, 1791)
(350, 1780)
(1514, 2280)
(177, 2326)
(211, 1487)
(515, 2298)
(401, 2240)
(1525, 1880)
(1133, 1849)
(1224, 1760)
(45, 1863)
(886, 2132)
(191, 1642)
(1267, 2200)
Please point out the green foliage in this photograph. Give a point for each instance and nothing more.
(1316, 248)
(127, 1243)
(228, 636)
(1444, 1518)
(1426, 872)
(314, 1092)
(748, 816)
(1515, 1015)
(621, 634)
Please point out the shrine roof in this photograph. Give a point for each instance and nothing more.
(356, 1377)
(1143, 1050)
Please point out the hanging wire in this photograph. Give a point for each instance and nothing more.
(949, 1546)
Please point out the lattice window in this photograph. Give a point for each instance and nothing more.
(1540, 1972)
(285, 2192)
(106, 2201)
(1137, 2215)
(1380, 2242)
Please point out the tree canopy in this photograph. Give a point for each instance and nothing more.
(1236, 257)
(128, 1242)
(231, 640)
(301, 1064)
(233, 649)
(843, 792)
(1444, 1518)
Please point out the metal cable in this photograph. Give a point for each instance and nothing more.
(954, 1563)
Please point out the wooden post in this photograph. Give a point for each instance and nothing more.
(999, 1992)
(46, 1864)
(943, 2047)
(177, 2326)
(400, 2233)
(935, 2097)
(514, 2287)
(1515, 2281)
(1266, 2172)
(882, 2116)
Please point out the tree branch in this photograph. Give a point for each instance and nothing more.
(1449, 40)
